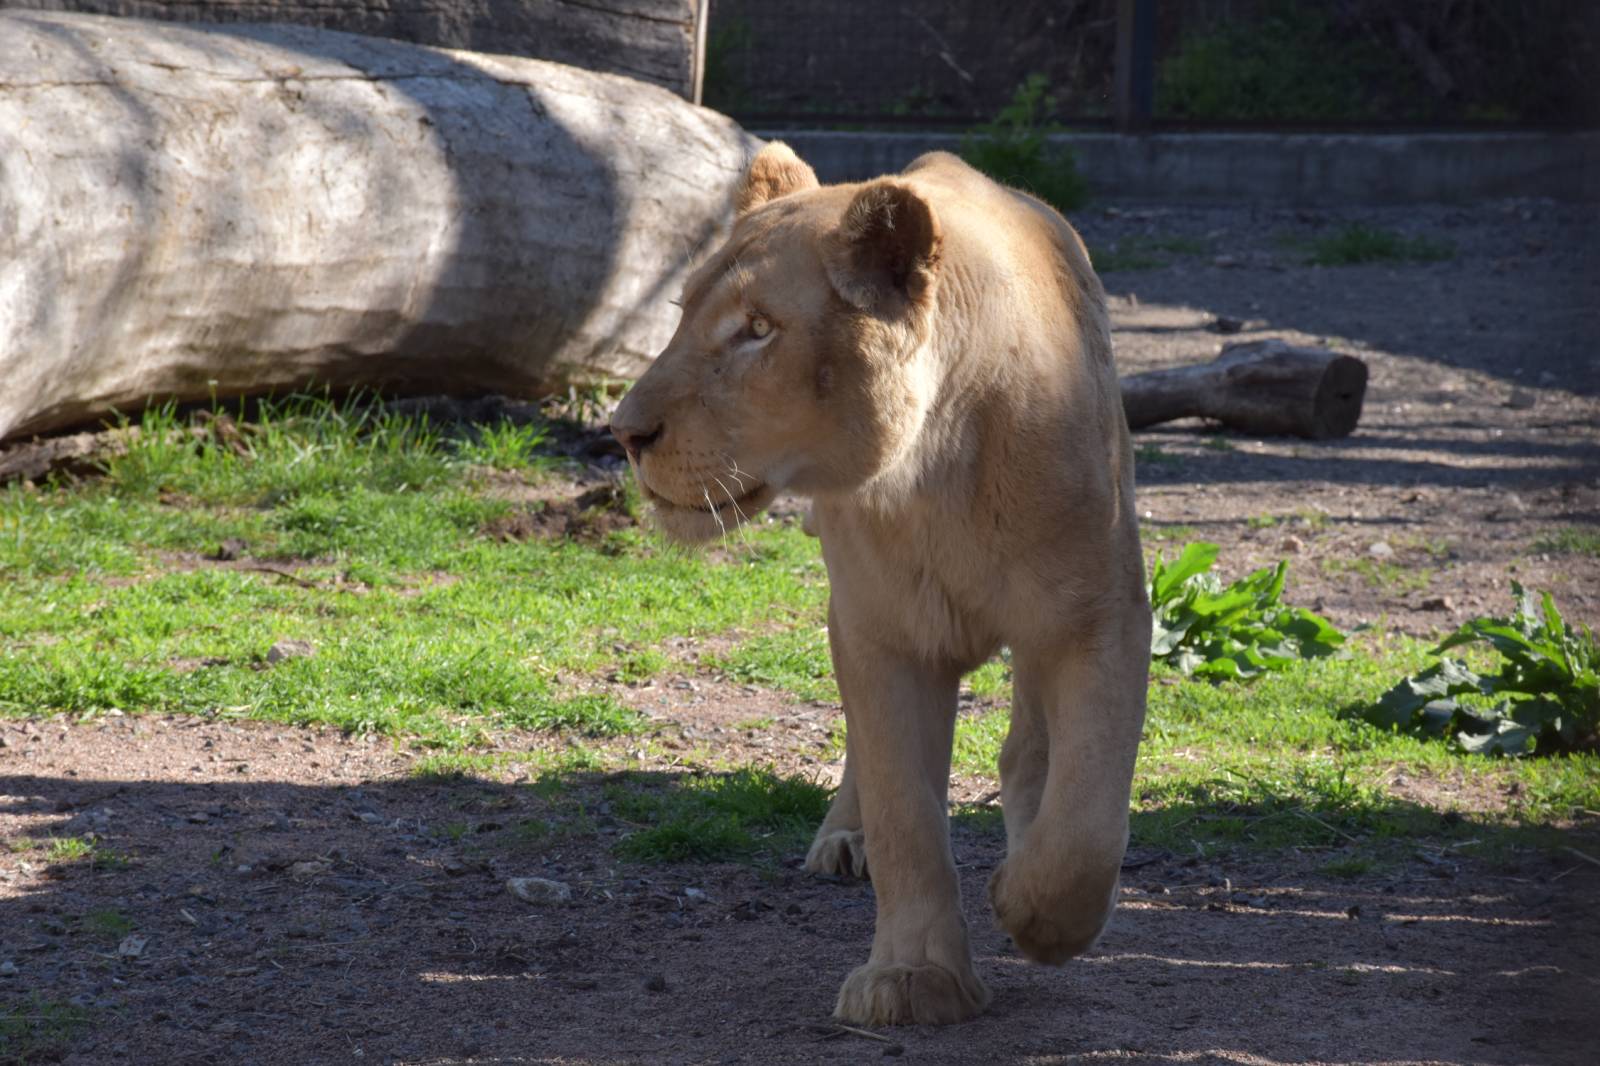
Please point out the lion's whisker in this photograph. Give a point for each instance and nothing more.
(741, 520)
(706, 492)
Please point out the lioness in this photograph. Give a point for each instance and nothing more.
(927, 357)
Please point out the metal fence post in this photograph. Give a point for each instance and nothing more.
(1135, 64)
(697, 63)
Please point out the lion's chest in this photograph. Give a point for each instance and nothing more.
(913, 590)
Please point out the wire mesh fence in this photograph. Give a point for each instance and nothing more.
(1216, 62)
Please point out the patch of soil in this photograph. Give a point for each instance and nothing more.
(589, 517)
(301, 899)
(1480, 436)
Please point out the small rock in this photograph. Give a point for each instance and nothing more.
(132, 946)
(290, 649)
(654, 983)
(539, 890)
(1521, 400)
(1293, 545)
(8, 968)
(1225, 261)
(302, 870)
(695, 895)
(1438, 603)
(229, 550)
(1225, 324)
(1380, 550)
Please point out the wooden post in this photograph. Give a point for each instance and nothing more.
(1135, 64)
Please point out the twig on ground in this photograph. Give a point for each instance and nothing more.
(1582, 855)
(1325, 825)
(834, 1030)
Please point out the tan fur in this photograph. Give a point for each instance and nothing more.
(939, 380)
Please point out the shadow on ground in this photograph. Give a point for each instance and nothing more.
(243, 919)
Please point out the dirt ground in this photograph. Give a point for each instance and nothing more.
(295, 896)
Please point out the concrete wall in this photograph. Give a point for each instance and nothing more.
(1387, 168)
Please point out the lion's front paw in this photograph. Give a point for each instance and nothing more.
(838, 851)
(1054, 918)
(896, 994)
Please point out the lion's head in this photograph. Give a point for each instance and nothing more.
(795, 365)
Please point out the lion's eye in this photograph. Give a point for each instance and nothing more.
(760, 326)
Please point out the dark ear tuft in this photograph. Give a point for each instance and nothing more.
(775, 171)
(884, 256)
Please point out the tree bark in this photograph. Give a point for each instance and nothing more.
(196, 211)
(1267, 387)
(652, 40)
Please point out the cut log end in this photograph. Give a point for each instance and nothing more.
(1337, 406)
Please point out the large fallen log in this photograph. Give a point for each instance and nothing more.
(1268, 387)
(194, 211)
(652, 40)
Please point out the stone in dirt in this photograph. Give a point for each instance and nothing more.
(290, 649)
(539, 890)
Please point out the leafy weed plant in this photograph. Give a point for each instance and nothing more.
(1015, 149)
(1238, 631)
(1547, 688)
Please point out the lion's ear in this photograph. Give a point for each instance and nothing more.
(775, 171)
(884, 256)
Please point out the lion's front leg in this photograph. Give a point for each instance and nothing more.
(1066, 771)
(900, 714)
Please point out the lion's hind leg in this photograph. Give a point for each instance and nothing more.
(840, 846)
(1066, 772)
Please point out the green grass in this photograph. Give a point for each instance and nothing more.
(1357, 243)
(428, 629)
(1390, 577)
(423, 625)
(1153, 455)
(794, 660)
(739, 815)
(1144, 252)
(107, 924)
(68, 849)
(1153, 533)
(1570, 541)
(37, 1030)
(1274, 764)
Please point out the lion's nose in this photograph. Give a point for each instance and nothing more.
(634, 440)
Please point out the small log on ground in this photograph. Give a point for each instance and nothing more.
(189, 211)
(1267, 387)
